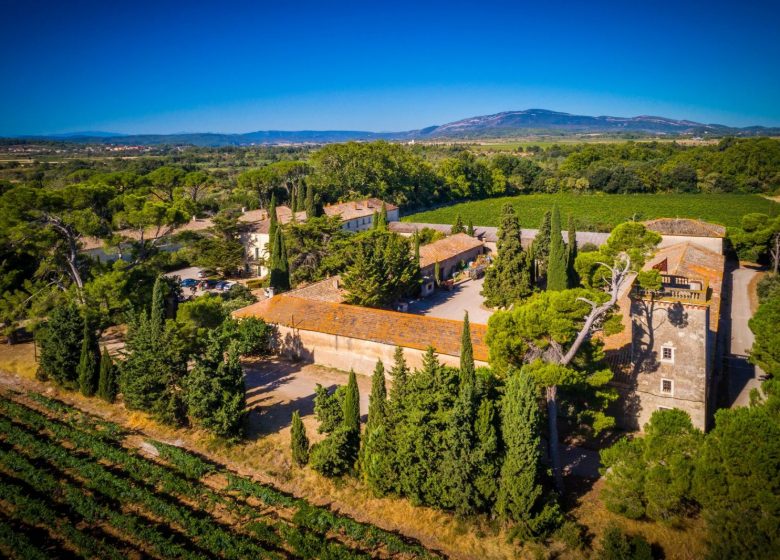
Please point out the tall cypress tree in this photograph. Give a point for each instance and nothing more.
(557, 272)
(470, 229)
(299, 441)
(311, 205)
(375, 220)
(272, 225)
(485, 455)
(467, 369)
(571, 255)
(541, 245)
(382, 218)
(377, 403)
(280, 271)
(399, 373)
(107, 380)
(520, 494)
(352, 404)
(89, 362)
(509, 279)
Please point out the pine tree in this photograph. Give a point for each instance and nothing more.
(59, 342)
(89, 362)
(541, 244)
(107, 381)
(557, 271)
(467, 369)
(280, 271)
(311, 205)
(520, 494)
(299, 441)
(571, 255)
(509, 279)
(458, 226)
(470, 229)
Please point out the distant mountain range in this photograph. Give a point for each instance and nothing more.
(532, 122)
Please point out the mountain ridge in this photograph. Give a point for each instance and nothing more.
(497, 125)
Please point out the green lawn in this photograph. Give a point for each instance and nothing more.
(601, 212)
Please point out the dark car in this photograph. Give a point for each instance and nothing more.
(207, 284)
(189, 283)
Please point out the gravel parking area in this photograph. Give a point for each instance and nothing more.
(445, 304)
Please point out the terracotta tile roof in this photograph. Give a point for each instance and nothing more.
(685, 227)
(357, 208)
(446, 248)
(325, 290)
(697, 263)
(377, 325)
(259, 222)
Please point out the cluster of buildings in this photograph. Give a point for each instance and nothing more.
(664, 358)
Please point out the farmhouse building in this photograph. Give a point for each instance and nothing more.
(680, 230)
(312, 328)
(665, 358)
(451, 253)
(355, 216)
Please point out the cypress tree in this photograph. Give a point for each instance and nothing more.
(377, 410)
(215, 390)
(375, 220)
(416, 242)
(542, 244)
(457, 483)
(382, 223)
(485, 455)
(311, 205)
(299, 441)
(458, 226)
(59, 341)
(352, 404)
(399, 373)
(89, 362)
(437, 273)
(107, 380)
(467, 369)
(509, 279)
(155, 367)
(519, 492)
(571, 255)
(470, 229)
(273, 224)
(557, 272)
(280, 271)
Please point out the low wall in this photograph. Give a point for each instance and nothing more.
(347, 353)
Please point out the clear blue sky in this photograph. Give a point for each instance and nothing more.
(227, 66)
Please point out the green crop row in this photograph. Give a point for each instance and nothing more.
(205, 531)
(16, 545)
(61, 491)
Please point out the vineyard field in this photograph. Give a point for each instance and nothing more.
(76, 486)
(602, 212)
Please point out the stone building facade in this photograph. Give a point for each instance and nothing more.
(668, 359)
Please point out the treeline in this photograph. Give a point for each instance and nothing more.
(154, 373)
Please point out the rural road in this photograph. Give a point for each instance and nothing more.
(743, 376)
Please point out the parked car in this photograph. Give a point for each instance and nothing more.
(189, 283)
(225, 286)
(208, 284)
(202, 273)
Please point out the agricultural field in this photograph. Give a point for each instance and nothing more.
(602, 212)
(74, 485)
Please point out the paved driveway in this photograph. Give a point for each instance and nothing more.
(451, 305)
(743, 376)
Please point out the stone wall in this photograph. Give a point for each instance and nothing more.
(347, 353)
(684, 330)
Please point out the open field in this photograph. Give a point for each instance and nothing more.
(602, 212)
(74, 484)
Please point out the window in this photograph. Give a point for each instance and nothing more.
(667, 386)
(667, 354)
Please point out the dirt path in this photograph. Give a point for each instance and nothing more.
(743, 376)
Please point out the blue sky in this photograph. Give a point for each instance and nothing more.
(237, 67)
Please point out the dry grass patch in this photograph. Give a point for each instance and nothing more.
(19, 359)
